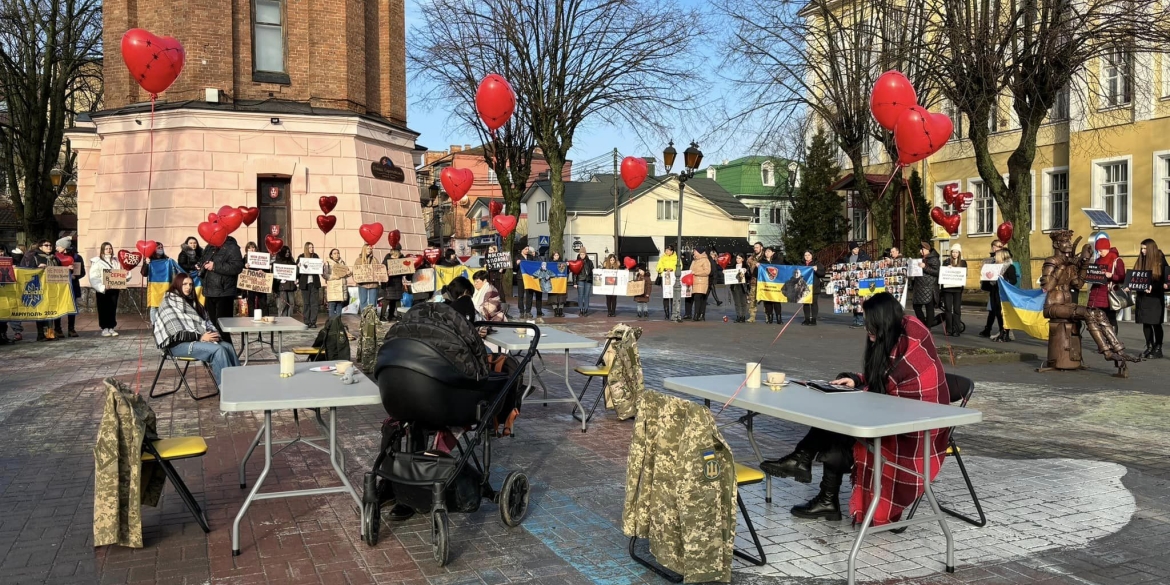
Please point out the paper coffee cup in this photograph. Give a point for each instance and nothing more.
(259, 314)
(753, 375)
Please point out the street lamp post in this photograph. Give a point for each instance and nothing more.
(692, 157)
(793, 169)
(436, 192)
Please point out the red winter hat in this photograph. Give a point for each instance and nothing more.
(1102, 244)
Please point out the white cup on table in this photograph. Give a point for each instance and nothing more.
(754, 375)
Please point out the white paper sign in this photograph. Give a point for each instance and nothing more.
(732, 276)
(259, 260)
(311, 266)
(284, 271)
(610, 282)
(914, 269)
(668, 285)
(952, 276)
(686, 290)
(991, 272)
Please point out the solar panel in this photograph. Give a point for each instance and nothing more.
(1099, 218)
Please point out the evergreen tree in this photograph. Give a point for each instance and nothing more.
(917, 215)
(816, 219)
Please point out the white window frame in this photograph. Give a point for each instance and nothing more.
(1098, 201)
(542, 212)
(280, 26)
(1165, 93)
(755, 214)
(769, 179)
(973, 185)
(858, 230)
(1161, 187)
(492, 179)
(1046, 198)
(941, 201)
(1063, 101)
(1126, 78)
(667, 210)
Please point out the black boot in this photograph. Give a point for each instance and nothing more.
(797, 465)
(1157, 351)
(826, 504)
(1149, 350)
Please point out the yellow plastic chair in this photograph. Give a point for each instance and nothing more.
(599, 369)
(164, 451)
(314, 353)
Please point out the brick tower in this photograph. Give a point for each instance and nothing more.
(280, 102)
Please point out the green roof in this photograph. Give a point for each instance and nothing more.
(743, 178)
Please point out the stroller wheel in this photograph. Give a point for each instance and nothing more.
(513, 499)
(439, 536)
(372, 521)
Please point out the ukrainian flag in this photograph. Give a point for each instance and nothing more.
(1023, 310)
(868, 287)
(547, 277)
(159, 275)
(445, 274)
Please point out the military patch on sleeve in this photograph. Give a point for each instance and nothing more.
(710, 466)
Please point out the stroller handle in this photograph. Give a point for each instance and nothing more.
(513, 325)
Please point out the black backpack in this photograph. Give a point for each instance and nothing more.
(334, 337)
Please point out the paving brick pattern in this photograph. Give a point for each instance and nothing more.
(1071, 468)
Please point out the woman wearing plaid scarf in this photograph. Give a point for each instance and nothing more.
(900, 353)
(181, 325)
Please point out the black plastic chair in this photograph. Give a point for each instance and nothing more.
(187, 361)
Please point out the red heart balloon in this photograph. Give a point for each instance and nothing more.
(273, 243)
(394, 238)
(937, 215)
(1004, 232)
(155, 62)
(327, 203)
(634, 171)
(630, 263)
(892, 94)
(920, 134)
(147, 247)
(456, 182)
(325, 223)
(212, 218)
(688, 279)
(214, 233)
(495, 208)
(371, 232)
(249, 214)
(129, 259)
(963, 201)
(951, 223)
(418, 261)
(494, 101)
(723, 260)
(950, 191)
(504, 224)
(230, 217)
(432, 255)
(576, 266)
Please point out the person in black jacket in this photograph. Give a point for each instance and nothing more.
(584, 282)
(812, 310)
(392, 289)
(286, 290)
(220, 266)
(952, 296)
(189, 254)
(310, 287)
(926, 286)
(1000, 255)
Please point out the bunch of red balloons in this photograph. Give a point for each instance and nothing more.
(917, 132)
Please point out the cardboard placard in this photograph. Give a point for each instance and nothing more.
(311, 266)
(952, 276)
(367, 273)
(335, 291)
(1095, 274)
(1139, 281)
(399, 267)
(63, 274)
(260, 260)
(636, 288)
(284, 272)
(991, 272)
(339, 272)
(115, 279)
(423, 281)
(498, 261)
(7, 270)
(733, 276)
(255, 281)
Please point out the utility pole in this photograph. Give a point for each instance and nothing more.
(616, 221)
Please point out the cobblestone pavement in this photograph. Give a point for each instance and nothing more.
(1071, 469)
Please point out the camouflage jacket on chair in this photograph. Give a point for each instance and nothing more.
(680, 488)
(368, 342)
(625, 382)
(122, 482)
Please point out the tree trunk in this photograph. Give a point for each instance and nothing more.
(556, 211)
(1016, 196)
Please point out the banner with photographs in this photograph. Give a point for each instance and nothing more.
(611, 282)
(852, 283)
(780, 283)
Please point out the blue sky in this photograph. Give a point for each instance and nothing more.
(439, 130)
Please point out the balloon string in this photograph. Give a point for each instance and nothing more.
(760, 362)
(145, 220)
(890, 180)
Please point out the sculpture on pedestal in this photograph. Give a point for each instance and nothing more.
(1062, 273)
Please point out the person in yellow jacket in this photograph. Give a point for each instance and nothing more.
(667, 263)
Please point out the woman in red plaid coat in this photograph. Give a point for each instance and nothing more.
(900, 353)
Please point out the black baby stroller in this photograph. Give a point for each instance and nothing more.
(433, 375)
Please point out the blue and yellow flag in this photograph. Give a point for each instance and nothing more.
(784, 284)
(445, 274)
(159, 274)
(546, 277)
(867, 287)
(33, 297)
(1023, 309)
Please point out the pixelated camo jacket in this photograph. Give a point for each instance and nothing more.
(680, 488)
(122, 482)
(624, 383)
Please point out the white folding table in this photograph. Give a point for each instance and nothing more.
(260, 388)
(550, 340)
(865, 415)
(248, 325)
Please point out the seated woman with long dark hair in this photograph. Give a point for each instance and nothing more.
(181, 325)
(901, 358)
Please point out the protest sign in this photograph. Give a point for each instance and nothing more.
(58, 274)
(311, 266)
(367, 273)
(37, 298)
(636, 288)
(668, 285)
(335, 291)
(284, 271)
(115, 279)
(733, 276)
(259, 260)
(991, 272)
(952, 276)
(1139, 281)
(399, 267)
(7, 270)
(610, 282)
(784, 283)
(255, 281)
(913, 270)
(498, 261)
(423, 281)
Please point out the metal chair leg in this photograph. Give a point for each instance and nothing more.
(981, 522)
(158, 373)
(747, 519)
(597, 399)
(210, 374)
(588, 381)
(660, 571)
(180, 487)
